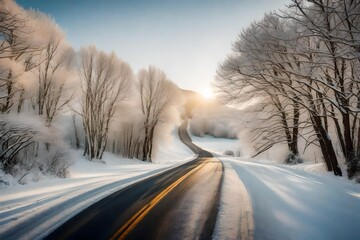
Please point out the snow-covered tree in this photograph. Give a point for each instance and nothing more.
(256, 70)
(302, 68)
(15, 53)
(333, 28)
(157, 96)
(105, 80)
(51, 73)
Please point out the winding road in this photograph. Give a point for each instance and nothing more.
(181, 203)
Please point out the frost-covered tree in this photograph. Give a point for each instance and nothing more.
(24, 144)
(23, 150)
(15, 53)
(128, 141)
(302, 69)
(157, 96)
(32, 47)
(256, 70)
(47, 88)
(333, 29)
(105, 80)
(50, 95)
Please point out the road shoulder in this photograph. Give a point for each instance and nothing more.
(235, 218)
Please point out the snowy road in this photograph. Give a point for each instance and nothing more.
(181, 203)
(157, 207)
(188, 211)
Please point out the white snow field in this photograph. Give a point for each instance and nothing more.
(293, 204)
(287, 202)
(31, 211)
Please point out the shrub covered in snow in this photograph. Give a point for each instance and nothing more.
(28, 151)
(293, 159)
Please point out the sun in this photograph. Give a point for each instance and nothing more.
(207, 93)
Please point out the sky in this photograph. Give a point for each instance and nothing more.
(185, 38)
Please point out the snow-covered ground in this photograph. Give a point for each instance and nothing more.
(293, 204)
(259, 197)
(173, 151)
(287, 202)
(30, 211)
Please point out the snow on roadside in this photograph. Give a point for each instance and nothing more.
(290, 203)
(311, 167)
(235, 219)
(173, 151)
(219, 146)
(31, 211)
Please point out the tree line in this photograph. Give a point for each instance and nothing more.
(42, 76)
(301, 68)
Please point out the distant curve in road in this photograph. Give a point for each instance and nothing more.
(181, 203)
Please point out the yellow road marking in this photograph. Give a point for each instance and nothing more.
(137, 217)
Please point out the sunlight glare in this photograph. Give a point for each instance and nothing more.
(207, 93)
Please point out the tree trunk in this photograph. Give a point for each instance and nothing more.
(77, 142)
(152, 131)
(294, 142)
(326, 147)
(145, 146)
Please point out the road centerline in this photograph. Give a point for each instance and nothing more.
(138, 216)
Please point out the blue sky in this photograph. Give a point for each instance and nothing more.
(185, 38)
